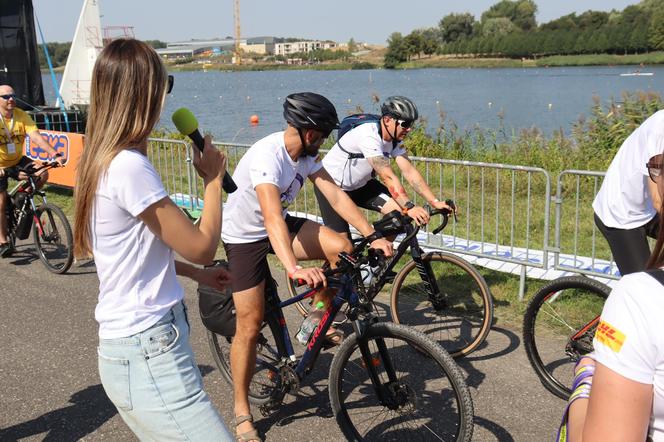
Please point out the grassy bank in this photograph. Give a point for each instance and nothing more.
(651, 58)
(374, 60)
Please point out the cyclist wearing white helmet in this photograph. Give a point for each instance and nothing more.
(256, 222)
(366, 150)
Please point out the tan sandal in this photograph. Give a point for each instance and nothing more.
(247, 436)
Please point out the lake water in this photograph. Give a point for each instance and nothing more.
(547, 98)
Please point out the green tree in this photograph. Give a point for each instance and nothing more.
(352, 46)
(520, 12)
(414, 44)
(592, 19)
(430, 40)
(656, 31)
(456, 26)
(396, 51)
(157, 44)
(495, 27)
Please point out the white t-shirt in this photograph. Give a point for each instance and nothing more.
(630, 338)
(351, 174)
(267, 161)
(137, 282)
(623, 201)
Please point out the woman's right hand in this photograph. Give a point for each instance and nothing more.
(211, 163)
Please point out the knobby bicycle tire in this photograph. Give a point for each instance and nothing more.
(266, 376)
(55, 242)
(463, 320)
(563, 308)
(428, 402)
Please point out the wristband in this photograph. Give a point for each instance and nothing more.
(409, 205)
(292, 272)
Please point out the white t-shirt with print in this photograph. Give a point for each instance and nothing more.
(630, 338)
(137, 282)
(351, 174)
(624, 201)
(267, 161)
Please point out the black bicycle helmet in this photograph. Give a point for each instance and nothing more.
(308, 110)
(401, 108)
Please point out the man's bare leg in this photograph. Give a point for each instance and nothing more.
(249, 308)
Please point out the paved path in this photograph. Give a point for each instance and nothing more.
(50, 390)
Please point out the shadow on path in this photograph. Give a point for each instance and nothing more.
(90, 409)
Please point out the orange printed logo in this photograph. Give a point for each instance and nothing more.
(610, 336)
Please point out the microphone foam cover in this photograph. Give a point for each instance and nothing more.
(184, 121)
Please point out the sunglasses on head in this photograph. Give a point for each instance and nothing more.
(404, 123)
(8, 96)
(169, 86)
(654, 170)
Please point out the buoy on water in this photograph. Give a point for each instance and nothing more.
(550, 106)
(254, 120)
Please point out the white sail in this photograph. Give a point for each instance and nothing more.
(85, 47)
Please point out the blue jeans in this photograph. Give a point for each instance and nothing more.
(153, 381)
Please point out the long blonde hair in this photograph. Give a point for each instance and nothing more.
(127, 94)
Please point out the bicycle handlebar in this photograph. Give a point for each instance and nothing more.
(31, 169)
(348, 261)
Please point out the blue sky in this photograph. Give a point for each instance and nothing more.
(369, 21)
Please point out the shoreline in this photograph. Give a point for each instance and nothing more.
(439, 62)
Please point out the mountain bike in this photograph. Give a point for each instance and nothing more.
(50, 228)
(386, 381)
(437, 293)
(559, 326)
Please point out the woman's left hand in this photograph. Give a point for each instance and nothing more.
(216, 277)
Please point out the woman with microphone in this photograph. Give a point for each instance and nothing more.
(125, 218)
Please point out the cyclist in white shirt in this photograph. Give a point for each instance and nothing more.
(626, 370)
(365, 151)
(256, 222)
(626, 205)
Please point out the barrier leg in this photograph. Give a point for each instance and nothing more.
(522, 283)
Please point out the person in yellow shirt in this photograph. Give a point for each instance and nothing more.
(15, 124)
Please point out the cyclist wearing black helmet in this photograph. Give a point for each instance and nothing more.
(256, 222)
(365, 151)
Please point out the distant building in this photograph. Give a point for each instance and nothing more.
(259, 45)
(256, 45)
(192, 48)
(302, 46)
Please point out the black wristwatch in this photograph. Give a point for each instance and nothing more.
(409, 205)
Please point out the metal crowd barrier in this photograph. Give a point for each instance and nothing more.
(505, 213)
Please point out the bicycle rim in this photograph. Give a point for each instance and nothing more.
(462, 319)
(266, 376)
(559, 326)
(427, 400)
(55, 241)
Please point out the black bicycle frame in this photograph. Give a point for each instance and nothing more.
(423, 268)
(345, 293)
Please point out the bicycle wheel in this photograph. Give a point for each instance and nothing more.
(266, 376)
(559, 326)
(425, 399)
(462, 318)
(53, 238)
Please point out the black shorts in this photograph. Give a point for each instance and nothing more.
(12, 172)
(371, 196)
(247, 262)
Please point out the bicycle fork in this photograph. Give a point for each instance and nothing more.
(387, 392)
(429, 279)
